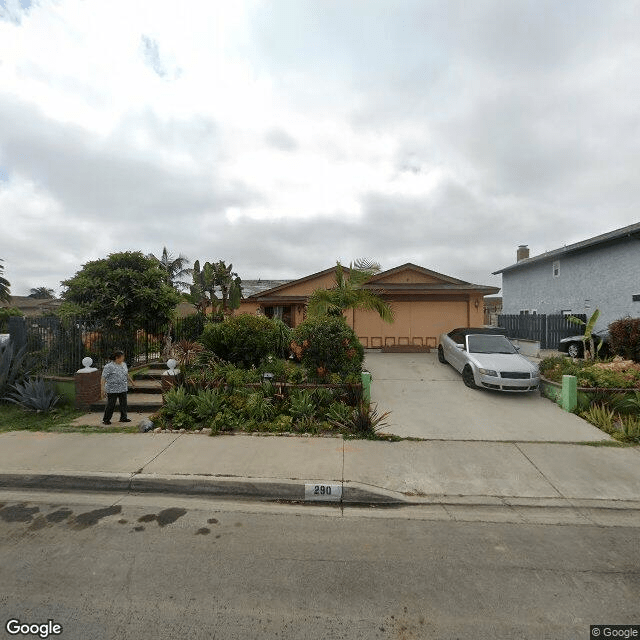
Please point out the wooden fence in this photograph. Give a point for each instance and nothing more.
(548, 329)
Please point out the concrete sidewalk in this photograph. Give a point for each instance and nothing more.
(370, 472)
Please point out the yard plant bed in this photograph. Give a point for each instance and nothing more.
(612, 375)
(608, 392)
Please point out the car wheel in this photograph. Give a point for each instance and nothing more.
(575, 350)
(468, 379)
(441, 357)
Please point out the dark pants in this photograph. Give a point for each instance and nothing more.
(111, 405)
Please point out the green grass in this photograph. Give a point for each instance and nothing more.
(14, 418)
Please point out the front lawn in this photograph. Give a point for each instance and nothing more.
(14, 418)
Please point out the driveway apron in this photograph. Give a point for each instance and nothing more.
(428, 400)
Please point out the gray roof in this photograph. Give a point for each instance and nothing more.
(251, 287)
(633, 230)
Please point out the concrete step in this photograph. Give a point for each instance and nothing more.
(138, 402)
(149, 375)
(147, 386)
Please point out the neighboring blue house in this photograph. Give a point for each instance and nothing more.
(599, 273)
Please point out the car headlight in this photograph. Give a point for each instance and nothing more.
(488, 372)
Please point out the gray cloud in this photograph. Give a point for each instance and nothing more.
(281, 140)
(110, 180)
(151, 54)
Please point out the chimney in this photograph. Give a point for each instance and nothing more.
(523, 252)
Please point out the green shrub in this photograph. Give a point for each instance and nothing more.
(245, 340)
(328, 345)
(625, 338)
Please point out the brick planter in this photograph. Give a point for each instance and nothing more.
(87, 389)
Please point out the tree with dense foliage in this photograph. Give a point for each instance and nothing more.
(124, 289)
(326, 345)
(348, 293)
(176, 269)
(42, 293)
(215, 285)
(5, 293)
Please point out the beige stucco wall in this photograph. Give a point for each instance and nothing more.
(408, 275)
(306, 288)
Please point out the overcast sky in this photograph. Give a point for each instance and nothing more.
(282, 136)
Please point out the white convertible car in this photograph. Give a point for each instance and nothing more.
(487, 359)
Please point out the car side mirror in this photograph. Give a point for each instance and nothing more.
(460, 346)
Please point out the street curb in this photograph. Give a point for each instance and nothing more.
(261, 489)
(276, 490)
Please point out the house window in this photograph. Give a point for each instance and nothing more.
(636, 297)
(556, 269)
(524, 312)
(566, 312)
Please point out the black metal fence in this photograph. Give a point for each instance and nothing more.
(57, 346)
(548, 329)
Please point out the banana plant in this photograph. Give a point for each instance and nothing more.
(592, 352)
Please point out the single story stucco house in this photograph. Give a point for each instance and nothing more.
(426, 304)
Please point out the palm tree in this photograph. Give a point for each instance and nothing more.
(175, 268)
(41, 293)
(5, 294)
(348, 293)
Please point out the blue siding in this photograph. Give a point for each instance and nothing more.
(604, 277)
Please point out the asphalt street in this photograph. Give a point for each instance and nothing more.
(166, 567)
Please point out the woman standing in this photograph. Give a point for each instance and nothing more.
(115, 381)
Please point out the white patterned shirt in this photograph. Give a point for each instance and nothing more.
(116, 377)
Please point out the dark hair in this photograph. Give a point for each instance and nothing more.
(116, 354)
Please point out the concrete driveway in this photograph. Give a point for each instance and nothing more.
(429, 400)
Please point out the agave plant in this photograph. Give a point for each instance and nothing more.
(13, 367)
(630, 428)
(177, 400)
(34, 394)
(207, 403)
(301, 404)
(259, 408)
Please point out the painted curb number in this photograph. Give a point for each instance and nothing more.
(323, 492)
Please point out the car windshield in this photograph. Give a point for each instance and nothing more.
(490, 344)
